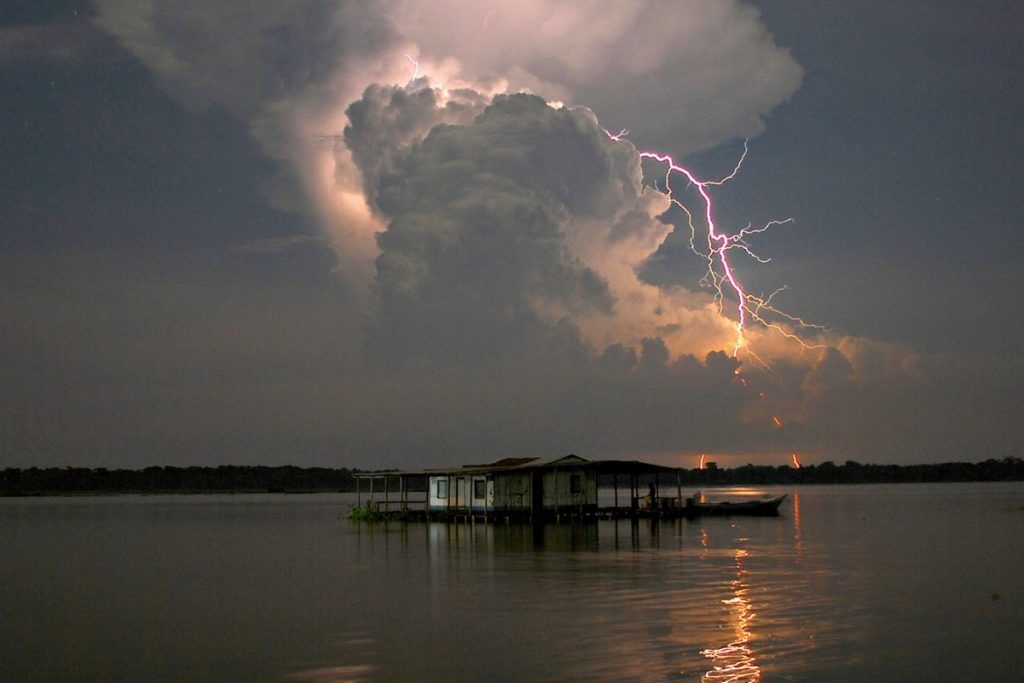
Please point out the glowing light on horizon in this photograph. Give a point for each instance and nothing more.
(796, 461)
(797, 529)
(703, 459)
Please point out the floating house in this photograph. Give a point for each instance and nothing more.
(517, 486)
(563, 486)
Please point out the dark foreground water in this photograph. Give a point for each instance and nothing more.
(889, 582)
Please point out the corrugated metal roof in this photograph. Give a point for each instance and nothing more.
(506, 462)
(514, 464)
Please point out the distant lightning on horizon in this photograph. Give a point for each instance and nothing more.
(720, 272)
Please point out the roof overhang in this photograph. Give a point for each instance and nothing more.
(524, 464)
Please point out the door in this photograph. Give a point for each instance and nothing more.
(461, 492)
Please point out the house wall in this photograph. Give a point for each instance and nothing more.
(558, 489)
(461, 493)
(441, 502)
(512, 491)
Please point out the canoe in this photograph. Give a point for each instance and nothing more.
(757, 508)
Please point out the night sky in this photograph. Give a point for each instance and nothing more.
(241, 234)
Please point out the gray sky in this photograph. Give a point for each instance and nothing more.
(231, 235)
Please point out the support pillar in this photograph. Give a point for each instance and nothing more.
(556, 494)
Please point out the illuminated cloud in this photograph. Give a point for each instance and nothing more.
(495, 238)
(680, 75)
(527, 212)
(291, 70)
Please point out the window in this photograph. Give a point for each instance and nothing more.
(479, 489)
(576, 484)
(442, 489)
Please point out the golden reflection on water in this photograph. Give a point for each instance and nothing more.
(334, 674)
(797, 534)
(735, 662)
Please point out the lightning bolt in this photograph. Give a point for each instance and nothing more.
(415, 67)
(721, 275)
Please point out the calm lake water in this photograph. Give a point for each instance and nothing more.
(887, 582)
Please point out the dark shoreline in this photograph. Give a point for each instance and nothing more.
(233, 479)
(99, 493)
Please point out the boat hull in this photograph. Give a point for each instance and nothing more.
(750, 508)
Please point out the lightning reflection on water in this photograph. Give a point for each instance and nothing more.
(735, 661)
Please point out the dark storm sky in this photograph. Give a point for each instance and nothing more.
(166, 296)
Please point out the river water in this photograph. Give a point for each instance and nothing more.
(855, 583)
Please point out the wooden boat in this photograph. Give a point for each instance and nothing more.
(757, 508)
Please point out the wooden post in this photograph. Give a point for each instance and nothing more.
(556, 493)
(634, 491)
(369, 503)
(359, 492)
(401, 489)
(615, 487)
(385, 493)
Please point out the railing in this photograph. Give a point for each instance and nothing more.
(396, 504)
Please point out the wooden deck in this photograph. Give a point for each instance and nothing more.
(643, 508)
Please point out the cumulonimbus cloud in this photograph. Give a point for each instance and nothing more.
(480, 221)
(682, 75)
(525, 213)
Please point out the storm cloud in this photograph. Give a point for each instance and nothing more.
(292, 70)
(451, 269)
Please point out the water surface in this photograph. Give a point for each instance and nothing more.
(880, 582)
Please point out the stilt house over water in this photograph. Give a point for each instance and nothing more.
(518, 486)
(564, 486)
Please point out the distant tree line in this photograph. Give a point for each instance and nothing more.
(225, 478)
(851, 472)
(285, 479)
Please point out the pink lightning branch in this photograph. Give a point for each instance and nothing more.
(721, 272)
